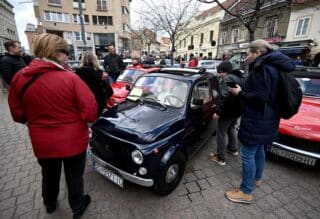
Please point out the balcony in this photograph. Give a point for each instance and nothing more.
(76, 5)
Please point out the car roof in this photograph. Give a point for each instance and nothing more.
(305, 71)
(185, 74)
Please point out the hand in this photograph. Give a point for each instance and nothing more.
(105, 75)
(215, 116)
(235, 90)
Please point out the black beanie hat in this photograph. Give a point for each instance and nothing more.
(224, 67)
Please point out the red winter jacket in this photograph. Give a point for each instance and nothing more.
(57, 107)
(193, 63)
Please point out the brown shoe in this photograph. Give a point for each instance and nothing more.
(257, 183)
(215, 158)
(236, 195)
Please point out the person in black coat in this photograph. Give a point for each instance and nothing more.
(113, 64)
(95, 78)
(12, 61)
(260, 118)
(227, 111)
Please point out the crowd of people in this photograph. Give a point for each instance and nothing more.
(67, 101)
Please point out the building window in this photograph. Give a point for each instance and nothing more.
(201, 38)
(223, 38)
(184, 43)
(76, 19)
(303, 25)
(191, 40)
(272, 26)
(77, 1)
(56, 17)
(54, 2)
(78, 35)
(211, 36)
(125, 27)
(235, 35)
(125, 10)
(102, 20)
(102, 5)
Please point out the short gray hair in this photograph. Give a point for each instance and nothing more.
(261, 45)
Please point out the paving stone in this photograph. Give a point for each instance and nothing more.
(202, 211)
(203, 183)
(11, 184)
(195, 197)
(200, 174)
(268, 203)
(27, 179)
(24, 208)
(192, 187)
(283, 213)
(190, 177)
(6, 194)
(7, 213)
(25, 197)
(20, 190)
(7, 203)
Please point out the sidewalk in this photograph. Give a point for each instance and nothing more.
(288, 190)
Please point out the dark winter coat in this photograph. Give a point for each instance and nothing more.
(113, 65)
(58, 107)
(9, 65)
(101, 90)
(260, 118)
(228, 105)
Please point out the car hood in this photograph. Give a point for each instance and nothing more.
(119, 89)
(140, 123)
(306, 123)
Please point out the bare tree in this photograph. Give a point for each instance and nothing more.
(168, 17)
(248, 12)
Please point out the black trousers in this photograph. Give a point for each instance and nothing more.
(73, 169)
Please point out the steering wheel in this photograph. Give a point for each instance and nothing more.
(170, 97)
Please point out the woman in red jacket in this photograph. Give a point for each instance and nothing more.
(57, 106)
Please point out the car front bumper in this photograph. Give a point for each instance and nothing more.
(127, 176)
(291, 153)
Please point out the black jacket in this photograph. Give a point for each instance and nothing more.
(9, 65)
(228, 105)
(101, 89)
(113, 65)
(260, 119)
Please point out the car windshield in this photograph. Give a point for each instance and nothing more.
(310, 86)
(130, 75)
(161, 90)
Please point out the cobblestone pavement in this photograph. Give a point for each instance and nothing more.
(288, 190)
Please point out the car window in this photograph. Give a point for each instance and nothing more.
(310, 86)
(130, 75)
(202, 91)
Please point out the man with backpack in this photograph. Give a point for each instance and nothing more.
(261, 113)
(227, 111)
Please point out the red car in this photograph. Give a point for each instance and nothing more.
(299, 137)
(125, 81)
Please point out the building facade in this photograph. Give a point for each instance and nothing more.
(8, 27)
(105, 22)
(272, 26)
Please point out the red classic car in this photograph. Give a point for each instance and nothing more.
(125, 80)
(299, 137)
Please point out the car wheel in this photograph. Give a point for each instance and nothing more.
(170, 175)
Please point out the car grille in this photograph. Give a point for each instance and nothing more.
(113, 151)
(298, 143)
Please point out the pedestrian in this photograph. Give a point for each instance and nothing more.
(57, 106)
(260, 118)
(11, 62)
(229, 56)
(95, 78)
(113, 64)
(227, 111)
(193, 61)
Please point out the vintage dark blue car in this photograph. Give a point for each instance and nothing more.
(148, 138)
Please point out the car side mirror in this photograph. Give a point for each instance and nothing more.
(197, 102)
(128, 87)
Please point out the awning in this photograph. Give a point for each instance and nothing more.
(292, 50)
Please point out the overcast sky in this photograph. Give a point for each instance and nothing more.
(24, 14)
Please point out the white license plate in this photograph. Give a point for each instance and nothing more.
(108, 174)
(291, 155)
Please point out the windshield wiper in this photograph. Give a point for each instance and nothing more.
(153, 100)
(311, 95)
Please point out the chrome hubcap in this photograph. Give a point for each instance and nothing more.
(172, 173)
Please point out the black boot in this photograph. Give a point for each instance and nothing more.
(51, 208)
(87, 200)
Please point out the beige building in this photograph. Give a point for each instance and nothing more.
(202, 33)
(8, 27)
(105, 22)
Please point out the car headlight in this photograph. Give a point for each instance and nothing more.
(137, 157)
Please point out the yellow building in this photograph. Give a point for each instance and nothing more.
(202, 33)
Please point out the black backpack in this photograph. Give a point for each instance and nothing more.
(289, 95)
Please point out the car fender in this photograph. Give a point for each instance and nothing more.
(168, 154)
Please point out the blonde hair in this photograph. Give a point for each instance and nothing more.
(261, 45)
(48, 45)
(89, 60)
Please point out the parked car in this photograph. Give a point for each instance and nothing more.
(148, 138)
(208, 64)
(299, 137)
(124, 82)
(167, 62)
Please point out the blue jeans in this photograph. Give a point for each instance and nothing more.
(253, 159)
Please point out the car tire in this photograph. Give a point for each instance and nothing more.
(170, 176)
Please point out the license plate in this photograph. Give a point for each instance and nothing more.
(108, 174)
(291, 155)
